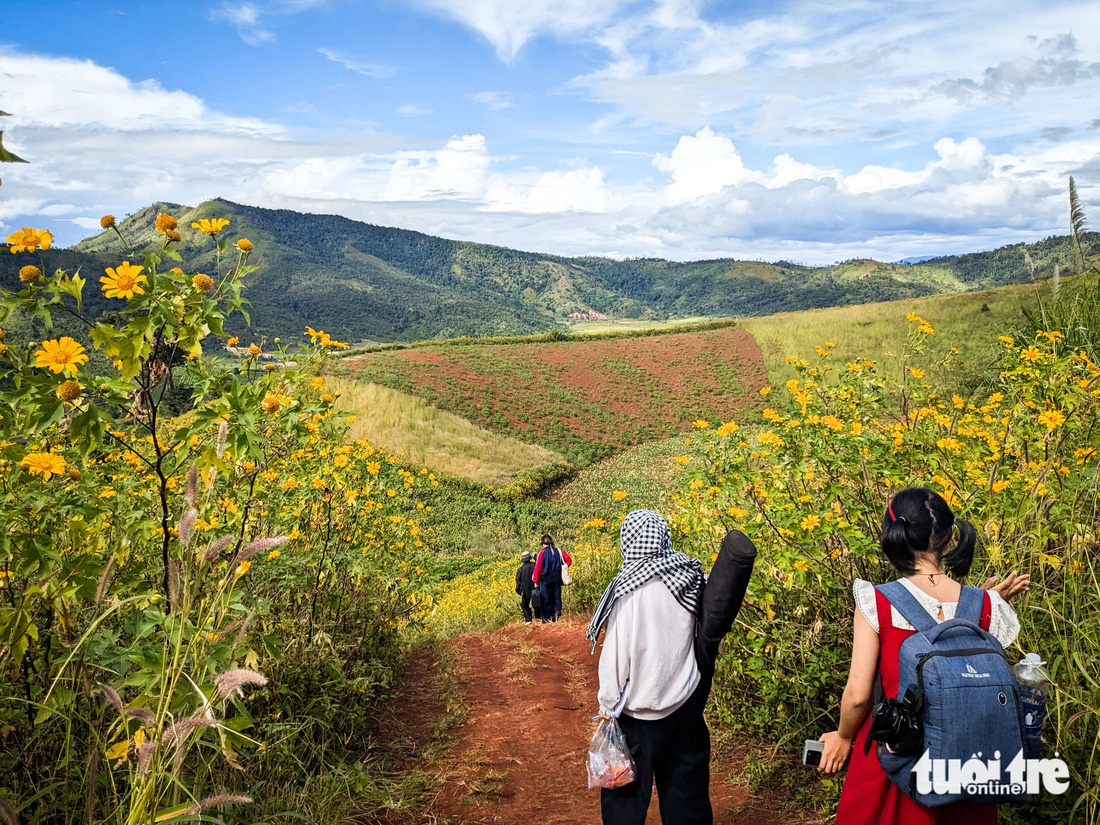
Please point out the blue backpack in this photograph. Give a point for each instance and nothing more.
(963, 693)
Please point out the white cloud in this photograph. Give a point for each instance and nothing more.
(702, 165)
(99, 143)
(247, 17)
(376, 70)
(491, 100)
(508, 24)
(458, 170)
(413, 110)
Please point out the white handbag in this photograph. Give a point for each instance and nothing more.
(566, 579)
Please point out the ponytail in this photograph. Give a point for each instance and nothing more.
(958, 559)
(895, 544)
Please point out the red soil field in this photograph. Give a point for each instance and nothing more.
(581, 398)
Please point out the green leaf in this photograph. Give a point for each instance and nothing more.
(173, 254)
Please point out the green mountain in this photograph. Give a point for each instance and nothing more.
(364, 282)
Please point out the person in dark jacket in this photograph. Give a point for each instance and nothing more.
(525, 585)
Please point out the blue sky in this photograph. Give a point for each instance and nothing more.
(811, 131)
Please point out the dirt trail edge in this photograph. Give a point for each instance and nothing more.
(530, 694)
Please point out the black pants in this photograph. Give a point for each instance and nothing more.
(674, 752)
(525, 606)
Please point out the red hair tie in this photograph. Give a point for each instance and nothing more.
(890, 510)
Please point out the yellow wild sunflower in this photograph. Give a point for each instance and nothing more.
(123, 282)
(244, 245)
(28, 240)
(63, 355)
(107, 222)
(30, 274)
(46, 465)
(164, 223)
(69, 391)
(211, 226)
(202, 282)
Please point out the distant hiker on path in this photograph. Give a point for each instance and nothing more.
(525, 585)
(917, 531)
(547, 576)
(664, 623)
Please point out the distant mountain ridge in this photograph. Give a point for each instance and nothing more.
(361, 282)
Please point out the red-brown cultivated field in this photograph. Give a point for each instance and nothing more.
(581, 398)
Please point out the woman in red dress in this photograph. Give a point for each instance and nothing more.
(916, 532)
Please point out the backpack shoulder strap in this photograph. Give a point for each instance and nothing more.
(906, 605)
(971, 604)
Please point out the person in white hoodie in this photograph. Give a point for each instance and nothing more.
(649, 675)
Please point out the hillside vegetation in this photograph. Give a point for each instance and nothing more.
(584, 399)
(371, 283)
(430, 437)
(963, 322)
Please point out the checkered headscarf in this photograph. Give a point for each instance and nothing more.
(647, 552)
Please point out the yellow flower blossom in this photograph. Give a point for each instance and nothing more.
(165, 224)
(28, 240)
(63, 355)
(810, 523)
(618, 495)
(1052, 419)
(123, 281)
(211, 226)
(46, 465)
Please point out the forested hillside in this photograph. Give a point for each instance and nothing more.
(371, 283)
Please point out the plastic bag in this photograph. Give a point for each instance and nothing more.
(609, 762)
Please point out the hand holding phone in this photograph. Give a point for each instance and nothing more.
(811, 752)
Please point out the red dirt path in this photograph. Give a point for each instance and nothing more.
(519, 758)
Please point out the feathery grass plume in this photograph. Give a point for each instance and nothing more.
(259, 545)
(223, 435)
(187, 523)
(173, 583)
(112, 697)
(1077, 224)
(233, 681)
(193, 485)
(217, 548)
(7, 811)
(218, 801)
(1029, 264)
(105, 580)
(144, 756)
(177, 732)
(143, 715)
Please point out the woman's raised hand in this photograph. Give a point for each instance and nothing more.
(1012, 585)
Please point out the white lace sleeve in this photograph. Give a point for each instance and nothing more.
(864, 593)
(1003, 623)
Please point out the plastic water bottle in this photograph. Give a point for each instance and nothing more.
(1033, 681)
